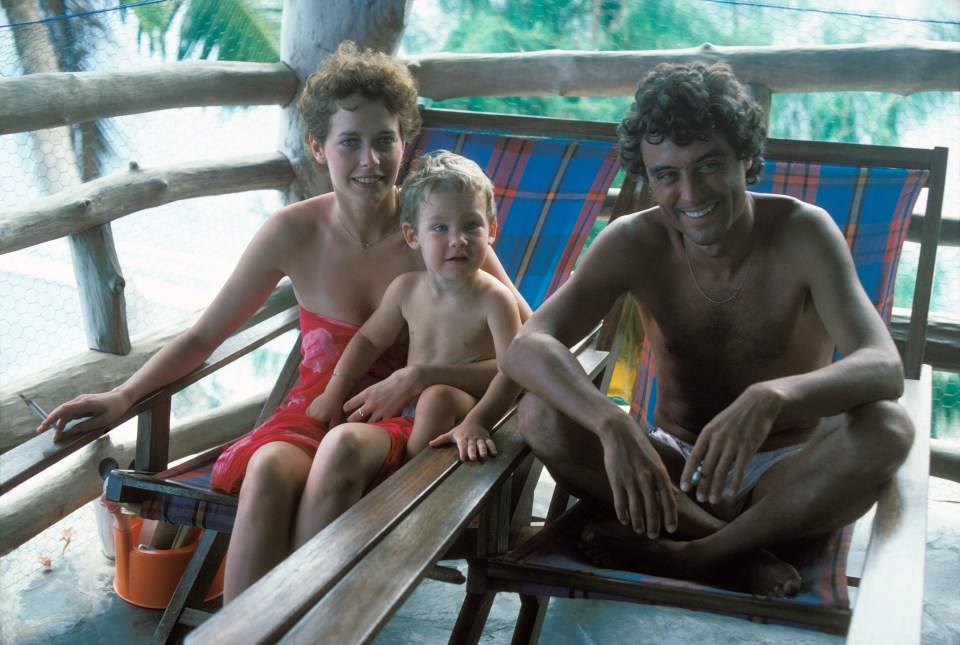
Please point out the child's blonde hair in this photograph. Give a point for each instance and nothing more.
(443, 171)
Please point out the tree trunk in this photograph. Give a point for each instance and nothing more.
(95, 261)
(310, 31)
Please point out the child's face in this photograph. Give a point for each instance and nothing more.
(452, 234)
(362, 150)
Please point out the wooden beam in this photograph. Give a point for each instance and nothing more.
(901, 66)
(38, 101)
(112, 197)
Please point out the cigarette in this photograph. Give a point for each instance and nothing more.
(33, 406)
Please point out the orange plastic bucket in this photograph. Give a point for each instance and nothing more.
(147, 577)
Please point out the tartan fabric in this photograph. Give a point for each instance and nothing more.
(822, 567)
(872, 206)
(548, 191)
(548, 194)
(191, 512)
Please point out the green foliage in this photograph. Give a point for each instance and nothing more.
(247, 30)
(946, 405)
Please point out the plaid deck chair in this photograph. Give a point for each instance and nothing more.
(872, 204)
(548, 191)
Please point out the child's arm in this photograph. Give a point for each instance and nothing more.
(472, 435)
(373, 338)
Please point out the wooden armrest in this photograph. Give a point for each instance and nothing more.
(31, 457)
(889, 604)
(127, 486)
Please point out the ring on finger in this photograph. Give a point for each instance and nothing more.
(360, 412)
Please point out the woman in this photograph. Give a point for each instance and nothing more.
(340, 251)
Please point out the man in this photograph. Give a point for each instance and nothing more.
(744, 298)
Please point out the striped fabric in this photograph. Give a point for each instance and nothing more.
(183, 511)
(872, 207)
(548, 194)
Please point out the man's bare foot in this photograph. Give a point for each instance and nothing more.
(609, 544)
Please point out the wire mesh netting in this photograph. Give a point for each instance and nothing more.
(175, 257)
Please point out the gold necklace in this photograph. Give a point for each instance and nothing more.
(736, 293)
(367, 245)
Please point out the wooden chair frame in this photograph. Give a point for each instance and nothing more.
(897, 537)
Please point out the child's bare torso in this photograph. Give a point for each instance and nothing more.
(450, 326)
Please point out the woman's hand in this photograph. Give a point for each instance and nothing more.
(472, 439)
(102, 409)
(385, 399)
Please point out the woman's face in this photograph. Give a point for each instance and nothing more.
(362, 150)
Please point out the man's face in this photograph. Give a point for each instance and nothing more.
(700, 188)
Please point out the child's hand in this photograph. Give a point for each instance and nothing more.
(472, 439)
(326, 409)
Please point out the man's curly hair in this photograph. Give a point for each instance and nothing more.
(350, 72)
(681, 103)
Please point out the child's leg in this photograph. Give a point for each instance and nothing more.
(348, 459)
(439, 408)
(263, 530)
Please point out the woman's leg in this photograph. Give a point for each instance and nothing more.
(439, 408)
(263, 529)
(349, 458)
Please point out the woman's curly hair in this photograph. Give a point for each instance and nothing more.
(681, 103)
(349, 72)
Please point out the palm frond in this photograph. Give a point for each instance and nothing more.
(154, 21)
(232, 30)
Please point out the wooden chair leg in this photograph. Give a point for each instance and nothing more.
(193, 587)
(472, 618)
(533, 609)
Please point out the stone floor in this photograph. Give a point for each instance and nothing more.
(74, 603)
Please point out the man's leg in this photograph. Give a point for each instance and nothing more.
(574, 458)
(832, 482)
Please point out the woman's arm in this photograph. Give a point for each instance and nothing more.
(368, 344)
(248, 287)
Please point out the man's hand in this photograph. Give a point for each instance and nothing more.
(385, 399)
(643, 495)
(728, 443)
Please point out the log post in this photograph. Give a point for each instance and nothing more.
(95, 261)
(307, 35)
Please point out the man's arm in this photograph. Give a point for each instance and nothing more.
(540, 361)
(869, 370)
